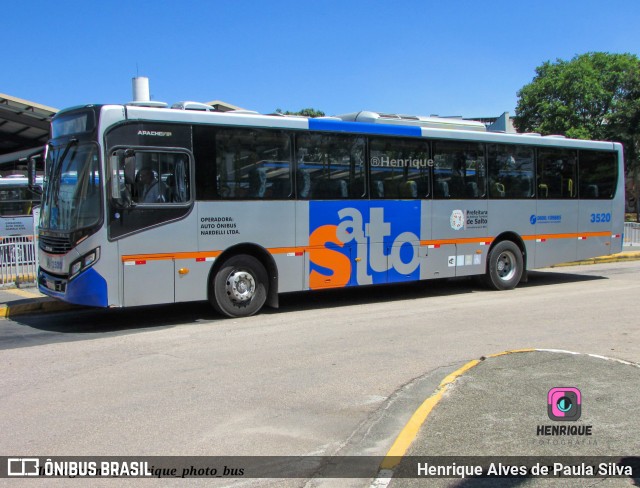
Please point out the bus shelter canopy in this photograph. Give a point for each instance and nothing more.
(23, 124)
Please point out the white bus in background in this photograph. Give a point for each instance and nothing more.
(246, 206)
(19, 201)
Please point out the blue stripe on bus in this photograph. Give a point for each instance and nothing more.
(88, 288)
(363, 128)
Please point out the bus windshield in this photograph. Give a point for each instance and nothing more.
(73, 193)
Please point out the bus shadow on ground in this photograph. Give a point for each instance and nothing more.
(82, 324)
(342, 297)
(545, 278)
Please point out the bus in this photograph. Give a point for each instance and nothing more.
(18, 198)
(153, 205)
(19, 201)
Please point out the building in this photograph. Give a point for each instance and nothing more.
(503, 123)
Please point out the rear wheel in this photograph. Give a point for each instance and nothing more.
(240, 287)
(504, 266)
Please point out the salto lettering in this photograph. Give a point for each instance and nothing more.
(374, 248)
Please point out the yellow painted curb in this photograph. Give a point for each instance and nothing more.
(613, 258)
(410, 430)
(34, 306)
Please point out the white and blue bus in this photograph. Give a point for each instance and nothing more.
(150, 205)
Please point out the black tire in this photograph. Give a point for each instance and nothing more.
(240, 287)
(505, 266)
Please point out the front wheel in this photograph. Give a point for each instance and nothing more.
(240, 287)
(505, 266)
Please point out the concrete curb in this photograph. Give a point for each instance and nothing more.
(614, 258)
(35, 305)
(403, 444)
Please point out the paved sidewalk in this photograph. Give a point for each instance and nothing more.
(497, 407)
(20, 301)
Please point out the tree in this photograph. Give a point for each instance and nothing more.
(306, 112)
(592, 96)
(577, 98)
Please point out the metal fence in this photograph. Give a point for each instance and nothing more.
(18, 261)
(631, 234)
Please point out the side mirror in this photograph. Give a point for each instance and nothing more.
(32, 175)
(114, 167)
(120, 180)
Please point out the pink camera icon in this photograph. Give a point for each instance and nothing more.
(564, 404)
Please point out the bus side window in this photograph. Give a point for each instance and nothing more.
(459, 170)
(253, 164)
(399, 168)
(557, 173)
(597, 174)
(154, 177)
(334, 164)
(510, 171)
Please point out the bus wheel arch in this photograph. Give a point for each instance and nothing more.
(506, 262)
(264, 268)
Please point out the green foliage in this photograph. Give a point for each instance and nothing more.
(592, 96)
(306, 112)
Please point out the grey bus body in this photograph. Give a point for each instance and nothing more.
(249, 206)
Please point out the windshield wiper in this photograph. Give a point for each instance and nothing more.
(55, 176)
(72, 142)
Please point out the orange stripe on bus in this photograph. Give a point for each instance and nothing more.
(466, 240)
(566, 236)
(201, 255)
(175, 255)
(302, 249)
(287, 250)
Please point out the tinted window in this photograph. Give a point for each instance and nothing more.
(459, 170)
(17, 200)
(511, 171)
(399, 168)
(330, 166)
(598, 174)
(557, 173)
(253, 164)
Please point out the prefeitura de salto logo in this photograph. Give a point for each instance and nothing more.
(457, 219)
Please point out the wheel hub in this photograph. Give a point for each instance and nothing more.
(241, 286)
(505, 266)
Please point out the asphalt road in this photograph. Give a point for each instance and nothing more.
(336, 372)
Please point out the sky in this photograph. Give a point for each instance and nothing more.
(418, 57)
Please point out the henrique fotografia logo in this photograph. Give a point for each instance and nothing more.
(564, 404)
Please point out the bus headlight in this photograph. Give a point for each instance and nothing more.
(84, 262)
(75, 268)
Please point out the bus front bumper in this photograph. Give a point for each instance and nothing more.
(88, 288)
